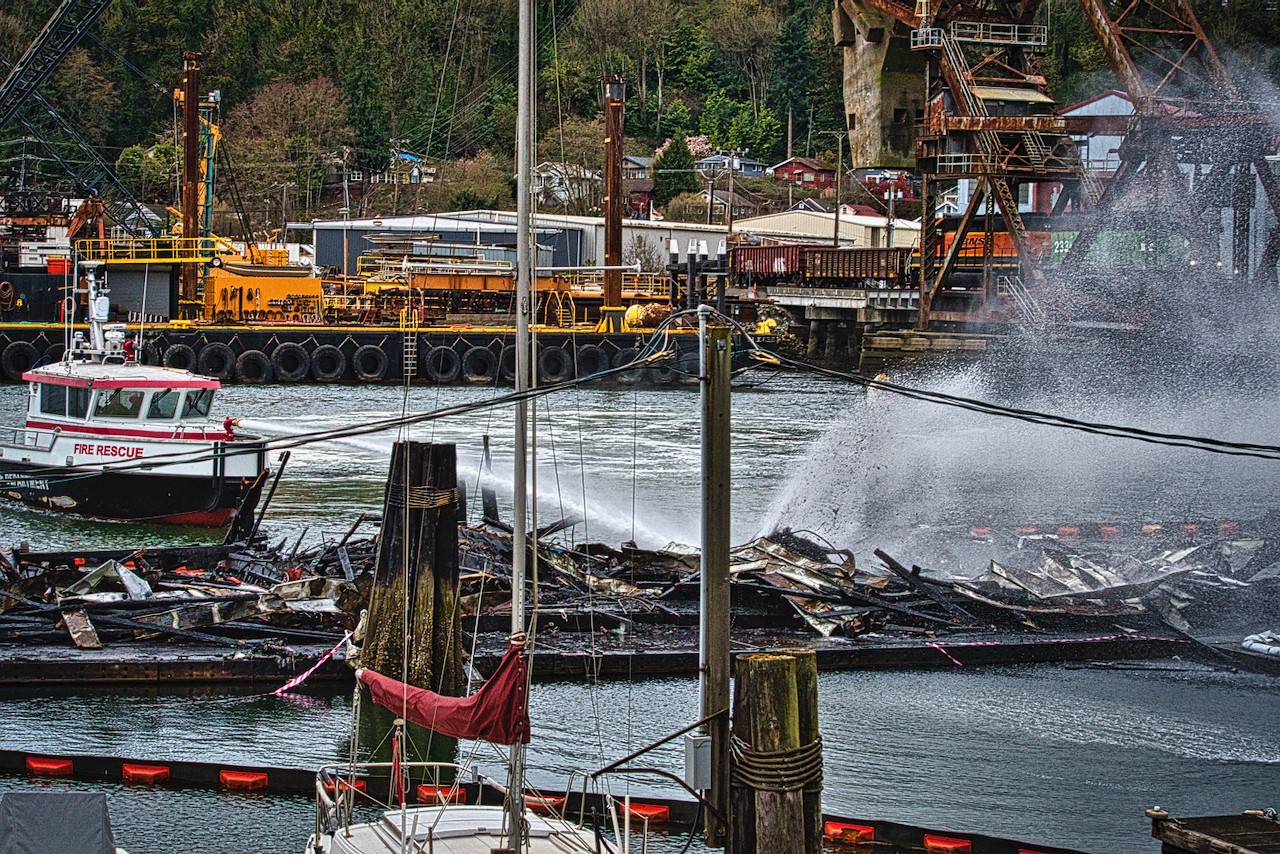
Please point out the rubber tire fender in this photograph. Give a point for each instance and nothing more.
(442, 365)
(53, 354)
(180, 357)
(253, 366)
(479, 364)
(369, 364)
(555, 365)
(150, 354)
(216, 360)
(328, 363)
(626, 356)
(18, 358)
(290, 362)
(507, 363)
(664, 373)
(592, 360)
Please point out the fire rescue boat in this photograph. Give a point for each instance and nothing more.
(109, 438)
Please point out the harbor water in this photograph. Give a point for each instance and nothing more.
(1059, 755)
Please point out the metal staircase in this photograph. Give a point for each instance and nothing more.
(1033, 314)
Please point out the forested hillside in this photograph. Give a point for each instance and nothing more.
(306, 84)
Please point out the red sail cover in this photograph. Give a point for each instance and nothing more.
(497, 713)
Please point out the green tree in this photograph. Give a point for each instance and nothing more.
(717, 118)
(367, 113)
(796, 73)
(673, 172)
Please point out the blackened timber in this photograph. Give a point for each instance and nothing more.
(842, 600)
(912, 581)
(130, 624)
(168, 557)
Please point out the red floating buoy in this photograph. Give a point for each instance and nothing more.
(441, 795)
(1109, 532)
(1226, 529)
(651, 812)
(1024, 530)
(946, 845)
(43, 767)
(243, 779)
(841, 831)
(980, 532)
(1068, 532)
(145, 773)
(355, 785)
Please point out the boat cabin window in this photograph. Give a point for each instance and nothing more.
(164, 404)
(63, 400)
(197, 403)
(119, 403)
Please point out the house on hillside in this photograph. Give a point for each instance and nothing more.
(812, 205)
(635, 168)
(744, 167)
(638, 192)
(803, 172)
(561, 183)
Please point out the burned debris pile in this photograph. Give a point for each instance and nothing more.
(784, 586)
(212, 595)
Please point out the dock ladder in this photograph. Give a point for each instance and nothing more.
(409, 335)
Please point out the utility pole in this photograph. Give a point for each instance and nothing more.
(835, 238)
(190, 170)
(889, 225)
(711, 195)
(611, 311)
(729, 213)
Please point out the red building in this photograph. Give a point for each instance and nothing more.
(804, 172)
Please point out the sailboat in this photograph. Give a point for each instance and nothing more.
(498, 711)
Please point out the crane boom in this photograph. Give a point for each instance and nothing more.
(63, 32)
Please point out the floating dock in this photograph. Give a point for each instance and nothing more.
(160, 664)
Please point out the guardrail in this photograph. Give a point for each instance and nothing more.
(989, 33)
(162, 250)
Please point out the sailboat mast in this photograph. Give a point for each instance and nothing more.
(524, 276)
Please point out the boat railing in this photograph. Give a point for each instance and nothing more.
(26, 439)
(333, 812)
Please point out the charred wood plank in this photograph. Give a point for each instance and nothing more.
(132, 624)
(843, 600)
(913, 582)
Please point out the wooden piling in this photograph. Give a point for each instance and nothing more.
(383, 648)
(766, 716)
(418, 557)
(445, 638)
(807, 697)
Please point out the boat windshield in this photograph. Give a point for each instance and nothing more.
(119, 403)
(197, 403)
(164, 404)
(65, 401)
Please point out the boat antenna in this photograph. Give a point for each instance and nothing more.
(524, 274)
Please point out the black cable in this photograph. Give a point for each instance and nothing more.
(1201, 443)
(693, 832)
